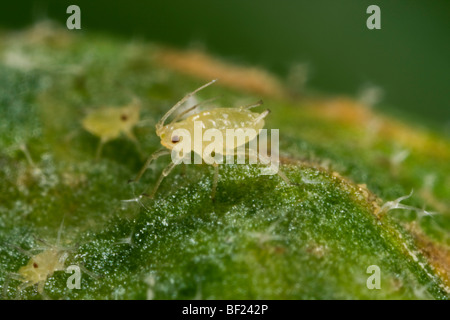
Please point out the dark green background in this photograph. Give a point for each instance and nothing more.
(408, 58)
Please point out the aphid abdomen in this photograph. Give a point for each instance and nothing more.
(227, 121)
(227, 118)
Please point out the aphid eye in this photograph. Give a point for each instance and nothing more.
(124, 117)
(35, 265)
(175, 139)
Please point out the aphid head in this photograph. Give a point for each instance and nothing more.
(107, 123)
(129, 115)
(168, 138)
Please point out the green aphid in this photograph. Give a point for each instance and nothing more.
(109, 123)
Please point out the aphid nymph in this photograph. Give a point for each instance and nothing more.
(218, 118)
(109, 123)
(40, 267)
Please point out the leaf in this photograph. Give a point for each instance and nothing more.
(261, 238)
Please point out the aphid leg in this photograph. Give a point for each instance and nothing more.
(215, 181)
(164, 174)
(154, 156)
(9, 276)
(98, 152)
(40, 288)
(179, 103)
(262, 116)
(253, 105)
(23, 286)
(285, 178)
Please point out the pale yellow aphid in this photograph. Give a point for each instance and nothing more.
(219, 118)
(40, 267)
(110, 122)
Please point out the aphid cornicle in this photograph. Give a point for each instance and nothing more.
(218, 118)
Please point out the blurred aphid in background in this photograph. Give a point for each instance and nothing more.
(108, 123)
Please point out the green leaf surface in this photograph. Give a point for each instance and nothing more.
(261, 238)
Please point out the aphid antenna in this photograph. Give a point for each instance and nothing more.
(28, 253)
(48, 244)
(45, 244)
(160, 123)
(179, 116)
